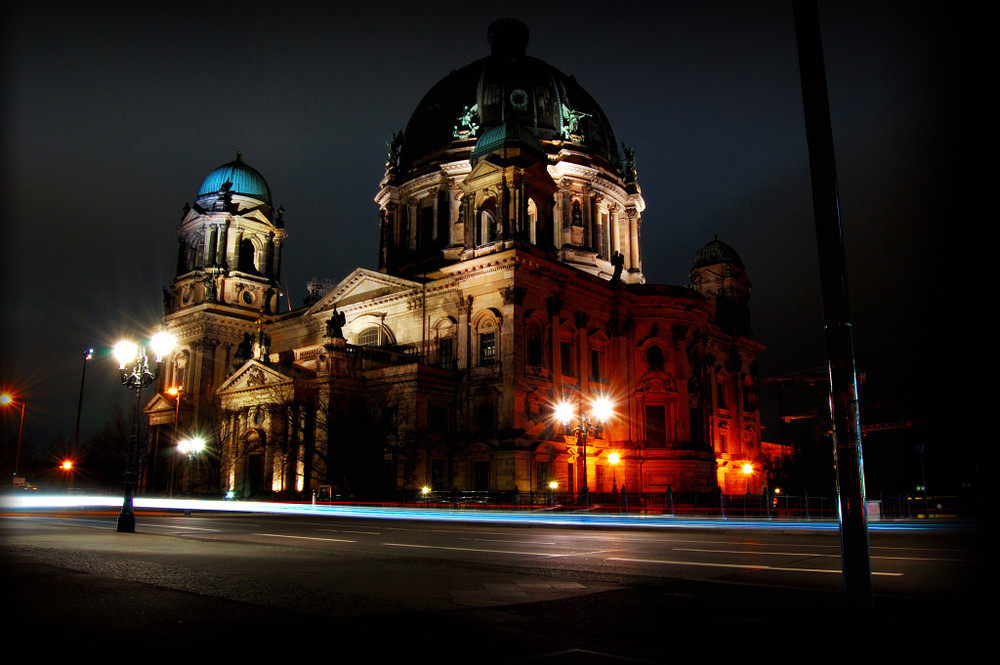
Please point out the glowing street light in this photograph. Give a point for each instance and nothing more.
(135, 374)
(613, 460)
(589, 423)
(176, 392)
(6, 399)
(66, 466)
(748, 472)
(190, 447)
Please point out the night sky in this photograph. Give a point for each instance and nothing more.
(111, 121)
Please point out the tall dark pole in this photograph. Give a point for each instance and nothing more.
(20, 429)
(87, 355)
(126, 518)
(844, 412)
(581, 438)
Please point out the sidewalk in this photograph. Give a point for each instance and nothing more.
(61, 611)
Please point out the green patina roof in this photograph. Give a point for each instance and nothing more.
(506, 135)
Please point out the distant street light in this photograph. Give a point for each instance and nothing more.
(66, 466)
(748, 472)
(613, 460)
(190, 447)
(589, 423)
(136, 373)
(177, 392)
(6, 399)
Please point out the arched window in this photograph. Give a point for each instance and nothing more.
(446, 352)
(532, 222)
(247, 257)
(486, 230)
(487, 326)
(370, 336)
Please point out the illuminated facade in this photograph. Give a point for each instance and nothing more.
(509, 279)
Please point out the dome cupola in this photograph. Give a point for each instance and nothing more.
(508, 151)
(236, 177)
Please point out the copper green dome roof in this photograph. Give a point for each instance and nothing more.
(716, 252)
(507, 86)
(238, 178)
(506, 135)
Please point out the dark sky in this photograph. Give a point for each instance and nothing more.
(112, 119)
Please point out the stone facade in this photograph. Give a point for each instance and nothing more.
(510, 280)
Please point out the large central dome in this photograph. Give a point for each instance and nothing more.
(506, 86)
(509, 152)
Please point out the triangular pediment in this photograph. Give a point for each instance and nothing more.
(362, 285)
(160, 410)
(483, 170)
(264, 383)
(159, 403)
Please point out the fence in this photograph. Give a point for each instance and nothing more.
(737, 506)
(668, 503)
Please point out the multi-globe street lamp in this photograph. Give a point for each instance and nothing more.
(588, 423)
(6, 399)
(136, 373)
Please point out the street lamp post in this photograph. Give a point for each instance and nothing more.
(87, 355)
(175, 391)
(6, 399)
(136, 373)
(614, 459)
(190, 448)
(589, 423)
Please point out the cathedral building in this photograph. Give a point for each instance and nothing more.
(509, 282)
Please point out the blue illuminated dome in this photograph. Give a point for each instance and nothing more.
(237, 178)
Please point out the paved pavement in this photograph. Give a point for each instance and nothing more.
(87, 599)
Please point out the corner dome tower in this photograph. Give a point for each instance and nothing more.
(452, 189)
(230, 242)
(718, 273)
(236, 177)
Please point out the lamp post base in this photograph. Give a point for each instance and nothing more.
(126, 524)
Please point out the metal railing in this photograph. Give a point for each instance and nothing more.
(660, 503)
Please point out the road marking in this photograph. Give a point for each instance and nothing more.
(519, 542)
(170, 527)
(363, 533)
(743, 566)
(754, 552)
(811, 554)
(328, 540)
(474, 549)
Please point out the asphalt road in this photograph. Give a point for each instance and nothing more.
(482, 592)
